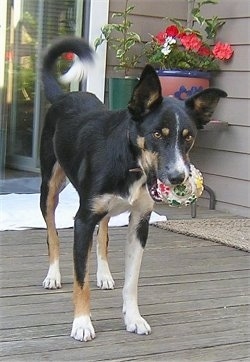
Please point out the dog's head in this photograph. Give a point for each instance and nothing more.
(164, 129)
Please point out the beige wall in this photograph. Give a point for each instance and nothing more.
(222, 156)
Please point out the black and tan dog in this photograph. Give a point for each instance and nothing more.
(113, 159)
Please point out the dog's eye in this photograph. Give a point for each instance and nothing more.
(157, 135)
(189, 138)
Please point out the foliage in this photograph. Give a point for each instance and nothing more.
(193, 47)
(122, 40)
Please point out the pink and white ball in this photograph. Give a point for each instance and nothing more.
(184, 194)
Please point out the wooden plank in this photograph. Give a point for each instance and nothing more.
(229, 10)
(162, 8)
(169, 257)
(164, 338)
(168, 241)
(194, 293)
(234, 139)
(239, 61)
(234, 111)
(8, 302)
(227, 194)
(238, 352)
(231, 30)
(156, 278)
(158, 317)
(219, 163)
(176, 249)
(170, 8)
(213, 285)
(231, 209)
(227, 80)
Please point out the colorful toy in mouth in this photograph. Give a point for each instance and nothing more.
(184, 194)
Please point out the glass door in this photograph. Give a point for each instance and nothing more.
(32, 24)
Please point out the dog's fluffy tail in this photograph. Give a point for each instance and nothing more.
(84, 55)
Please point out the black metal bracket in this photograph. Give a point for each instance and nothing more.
(211, 201)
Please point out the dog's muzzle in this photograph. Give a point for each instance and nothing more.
(155, 192)
(179, 194)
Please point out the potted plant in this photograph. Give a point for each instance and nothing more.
(190, 53)
(124, 42)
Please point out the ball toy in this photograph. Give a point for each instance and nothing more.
(184, 194)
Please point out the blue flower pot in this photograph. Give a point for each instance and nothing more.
(183, 83)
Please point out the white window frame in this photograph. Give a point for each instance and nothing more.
(95, 83)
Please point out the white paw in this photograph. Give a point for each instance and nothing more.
(137, 324)
(53, 278)
(82, 329)
(105, 281)
(52, 283)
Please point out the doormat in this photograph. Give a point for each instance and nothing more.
(231, 232)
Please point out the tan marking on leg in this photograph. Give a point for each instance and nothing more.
(55, 185)
(104, 277)
(82, 328)
(103, 238)
(81, 296)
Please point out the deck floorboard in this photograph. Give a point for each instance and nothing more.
(193, 292)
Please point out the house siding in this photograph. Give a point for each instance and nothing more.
(222, 156)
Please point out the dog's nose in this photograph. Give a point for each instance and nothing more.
(176, 178)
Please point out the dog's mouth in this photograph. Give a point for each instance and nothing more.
(157, 189)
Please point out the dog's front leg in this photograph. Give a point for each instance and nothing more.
(137, 237)
(82, 329)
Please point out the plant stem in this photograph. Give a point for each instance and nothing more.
(191, 4)
(125, 36)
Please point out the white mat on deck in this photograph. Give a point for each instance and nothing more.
(22, 211)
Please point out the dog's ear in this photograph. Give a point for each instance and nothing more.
(147, 93)
(202, 105)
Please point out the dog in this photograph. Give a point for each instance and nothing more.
(113, 159)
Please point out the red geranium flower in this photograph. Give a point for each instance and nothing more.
(161, 37)
(191, 41)
(172, 30)
(222, 51)
(180, 47)
(204, 51)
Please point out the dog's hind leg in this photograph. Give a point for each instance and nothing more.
(50, 189)
(104, 277)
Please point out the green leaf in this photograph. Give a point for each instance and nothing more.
(120, 53)
(129, 9)
(118, 27)
(135, 36)
(98, 42)
(129, 43)
(203, 2)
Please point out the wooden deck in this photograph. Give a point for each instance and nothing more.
(194, 294)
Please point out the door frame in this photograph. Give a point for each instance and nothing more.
(95, 81)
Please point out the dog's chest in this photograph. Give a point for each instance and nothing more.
(116, 204)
